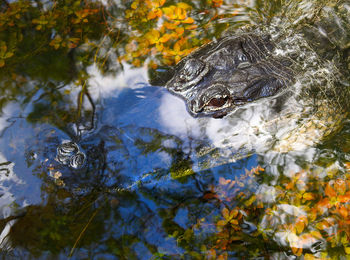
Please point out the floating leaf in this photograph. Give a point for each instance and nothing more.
(191, 27)
(159, 47)
(308, 196)
(344, 240)
(347, 166)
(170, 26)
(297, 251)
(225, 213)
(322, 225)
(135, 4)
(180, 13)
(179, 30)
(154, 13)
(323, 204)
(329, 191)
(184, 5)
(250, 201)
(217, 3)
(221, 223)
(166, 37)
(188, 20)
(234, 213)
(344, 198)
(154, 3)
(309, 257)
(234, 221)
(343, 211)
(290, 186)
(8, 55)
(316, 234)
(347, 250)
(340, 186)
(299, 226)
(168, 11)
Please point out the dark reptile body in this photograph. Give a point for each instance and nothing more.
(240, 69)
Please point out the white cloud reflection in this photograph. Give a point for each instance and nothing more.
(110, 85)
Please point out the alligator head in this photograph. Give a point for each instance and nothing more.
(232, 72)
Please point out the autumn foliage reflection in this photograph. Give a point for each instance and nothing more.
(171, 32)
(155, 31)
(307, 212)
(59, 41)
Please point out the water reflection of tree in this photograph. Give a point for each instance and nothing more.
(47, 46)
(40, 44)
(196, 214)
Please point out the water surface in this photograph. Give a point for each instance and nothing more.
(97, 163)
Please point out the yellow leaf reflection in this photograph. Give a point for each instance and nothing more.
(347, 250)
(154, 13)
(169, 28)
(312, 214)
(308, 196)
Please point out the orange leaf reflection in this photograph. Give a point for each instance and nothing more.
(329, 191)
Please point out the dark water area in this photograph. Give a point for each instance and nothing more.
(98, 163)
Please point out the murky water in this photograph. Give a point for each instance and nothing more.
(97, 163)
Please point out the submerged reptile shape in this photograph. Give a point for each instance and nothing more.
(230, 73)
(300, 61)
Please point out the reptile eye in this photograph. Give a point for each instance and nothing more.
(218, 102)
(242, 58)
(242, 61)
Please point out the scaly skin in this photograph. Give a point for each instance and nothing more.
(305, 60)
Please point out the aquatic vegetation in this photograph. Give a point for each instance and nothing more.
(307, 212)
